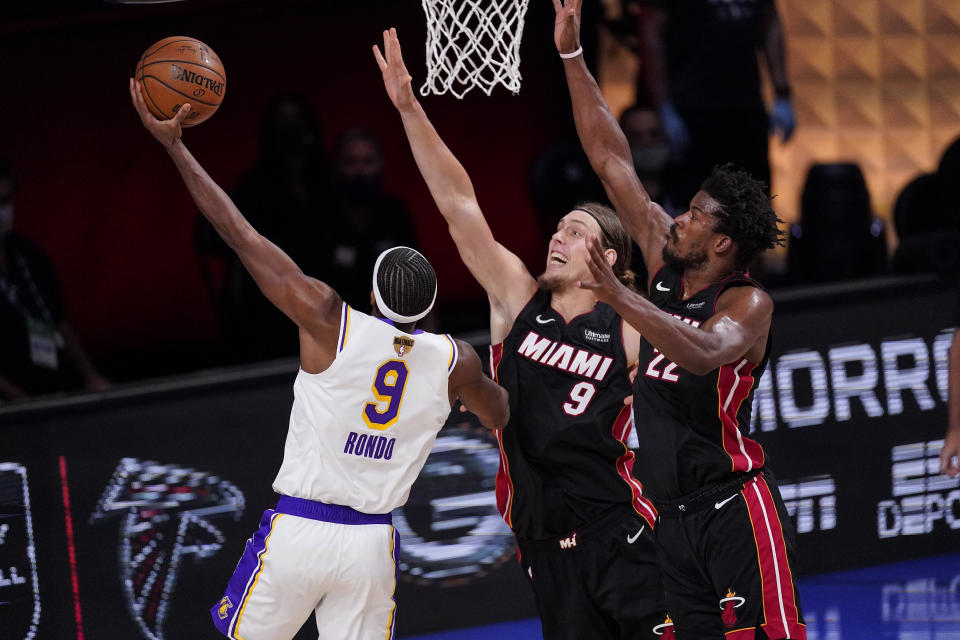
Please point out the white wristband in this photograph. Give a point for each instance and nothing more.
(572, 54)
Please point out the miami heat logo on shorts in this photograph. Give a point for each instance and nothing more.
(729, 605)
(665, 629)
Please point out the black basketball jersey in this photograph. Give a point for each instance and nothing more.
(563, 457)
(692, 429)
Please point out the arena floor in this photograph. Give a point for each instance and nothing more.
(913, 600)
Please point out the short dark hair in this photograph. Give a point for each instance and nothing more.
(745, 212)
(406, 281)
(6, 170)
(612, 236)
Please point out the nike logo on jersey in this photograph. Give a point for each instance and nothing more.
(723, 502)
(633, 538)
(543, 320)
(660, 286)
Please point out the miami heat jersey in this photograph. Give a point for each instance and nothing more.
(361, 431)
(563, 458)
(692, 429)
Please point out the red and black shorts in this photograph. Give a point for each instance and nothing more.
(601, 581)
(726, 554)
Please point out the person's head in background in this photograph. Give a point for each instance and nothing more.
(290, 139)
(6, 198)
(358, 164)
(643, 129)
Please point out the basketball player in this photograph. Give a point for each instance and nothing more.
(723, 537)
(371, 394)
(564, 484)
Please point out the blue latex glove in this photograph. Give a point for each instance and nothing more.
(782, 120)
(676, 130)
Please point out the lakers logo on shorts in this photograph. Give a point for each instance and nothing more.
(223, 607)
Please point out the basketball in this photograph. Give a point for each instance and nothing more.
(180, 70)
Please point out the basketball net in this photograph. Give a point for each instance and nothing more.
(473, 43)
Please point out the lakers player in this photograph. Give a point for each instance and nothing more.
(724, 539)
(371, 394)
(565, 485)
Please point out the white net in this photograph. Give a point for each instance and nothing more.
(473, 43)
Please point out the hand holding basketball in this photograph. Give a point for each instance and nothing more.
(167, 132)
(178, 70)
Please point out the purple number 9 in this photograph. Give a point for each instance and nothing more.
(387, 387)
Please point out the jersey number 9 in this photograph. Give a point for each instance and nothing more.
(388, 385)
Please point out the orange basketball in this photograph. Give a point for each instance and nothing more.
(181, 70)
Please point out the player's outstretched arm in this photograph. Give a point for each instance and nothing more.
(479, 394)
(949, 463)
(738, 327)
(501, 273)
(313, 305)
(606, 146)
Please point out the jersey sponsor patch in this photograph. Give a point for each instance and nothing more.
(596, 336)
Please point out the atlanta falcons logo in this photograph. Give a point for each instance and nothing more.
(163, 511)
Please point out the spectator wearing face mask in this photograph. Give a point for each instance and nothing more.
(39, 352)
(369, 221)
(288, 198)
(650, 149)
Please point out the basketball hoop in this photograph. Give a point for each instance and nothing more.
(473, 43)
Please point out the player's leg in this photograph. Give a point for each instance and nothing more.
(567, 611)
(624, 577)
(749, 547)
(360, 604)
(690, 597)
(260, 602)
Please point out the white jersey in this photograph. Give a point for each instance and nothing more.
(361, 431)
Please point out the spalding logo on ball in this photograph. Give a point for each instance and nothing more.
(180, 70)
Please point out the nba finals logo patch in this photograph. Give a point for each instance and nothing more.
(665, 629)
(225, 604)
(729, 605)
(402, 344)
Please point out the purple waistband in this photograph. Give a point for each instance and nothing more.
(329, 512)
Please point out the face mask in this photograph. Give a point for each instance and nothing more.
(6, 219)
(650, 160)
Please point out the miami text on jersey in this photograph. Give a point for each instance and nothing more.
(565, 357)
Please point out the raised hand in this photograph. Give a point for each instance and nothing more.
(605, 285)
(950, 454)
(396, 79)
(566, 29)
(167, 132)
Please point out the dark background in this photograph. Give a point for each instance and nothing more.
(101, 197)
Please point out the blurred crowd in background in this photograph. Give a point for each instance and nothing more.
(327, 206)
